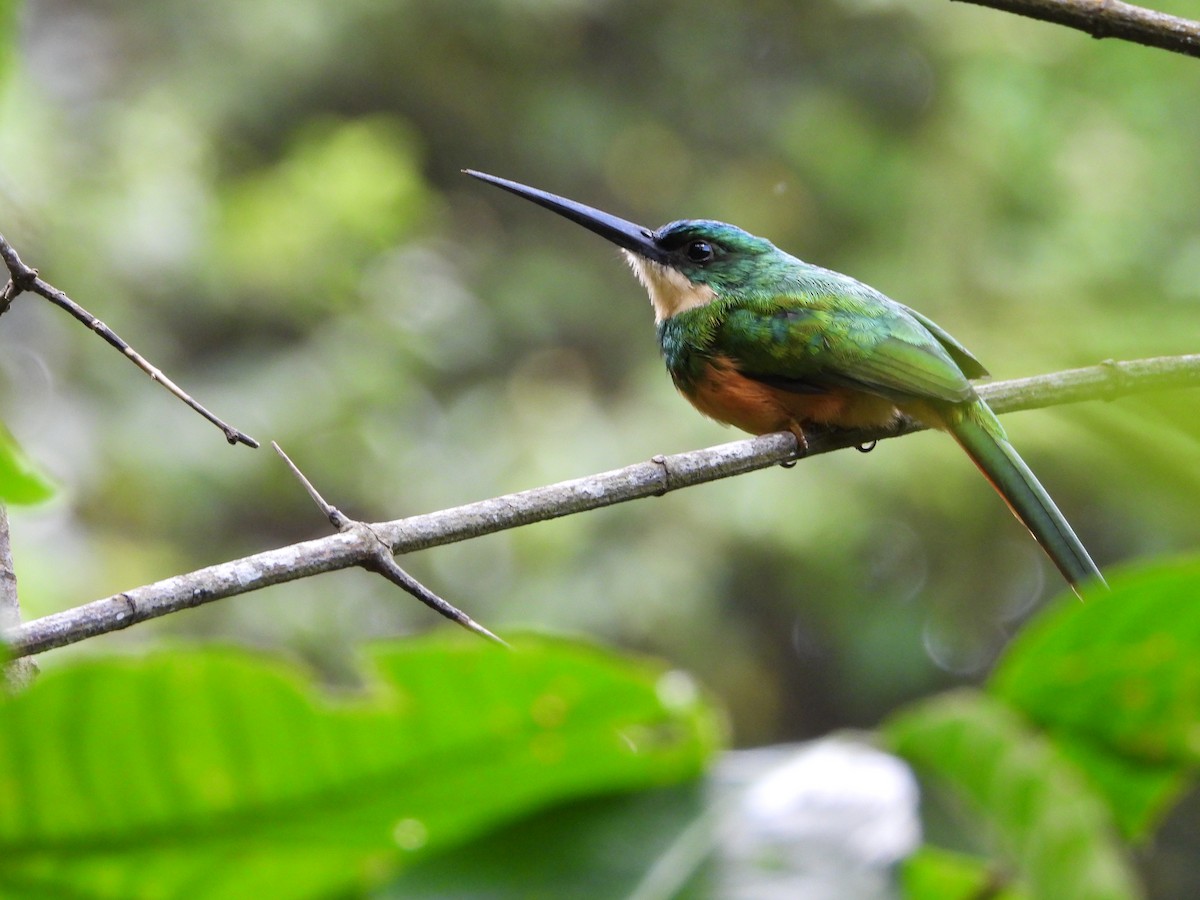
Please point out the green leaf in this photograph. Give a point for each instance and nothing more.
(218, 774)
(1039, 810)
(1139, 794)
(1122, 669)
(20, 482)
(566, 851)
(1117, 681)
(935, 874)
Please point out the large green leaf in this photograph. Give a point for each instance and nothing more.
(1122, 669)
(217, 774)
(1043, 816)
(1117, 681)
(20, 481)
(571, 850)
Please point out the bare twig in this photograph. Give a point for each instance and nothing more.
(1110, 18)
(23, 278)
(377, 557)
(652, 478)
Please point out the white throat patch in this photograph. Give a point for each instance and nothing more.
(670, 290)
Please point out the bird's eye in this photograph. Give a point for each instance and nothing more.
(700, 251)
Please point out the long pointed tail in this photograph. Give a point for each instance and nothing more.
(978, 431)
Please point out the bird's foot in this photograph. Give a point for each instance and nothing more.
(801, 446)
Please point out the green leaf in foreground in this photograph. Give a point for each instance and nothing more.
(569, 850)
(935, 874)
(207, 774)
(20, 482)
(1122, 669)
(1116, 681)
(1139, 794)
(1045, 819)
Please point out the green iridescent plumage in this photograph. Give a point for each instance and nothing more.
(790, 321)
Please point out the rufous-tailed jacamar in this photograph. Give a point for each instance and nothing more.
(756, 338)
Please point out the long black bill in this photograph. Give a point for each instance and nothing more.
(621, 232)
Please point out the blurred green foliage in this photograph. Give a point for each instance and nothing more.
(264, 199)
(453, 767)
(20, 481)
(1086, 736)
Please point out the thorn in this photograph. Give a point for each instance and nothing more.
(386, 565)
(471, 625)
(332, 513)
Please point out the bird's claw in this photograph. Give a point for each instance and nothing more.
(801, 446)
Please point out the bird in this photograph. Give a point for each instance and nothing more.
(756, 338)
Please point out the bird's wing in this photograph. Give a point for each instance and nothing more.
(971, 367)
(813, 342)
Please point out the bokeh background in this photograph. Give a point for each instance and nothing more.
(264, 199)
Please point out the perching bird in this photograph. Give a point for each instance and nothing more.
(759, 339)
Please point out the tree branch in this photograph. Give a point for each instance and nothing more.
(18, 673)
(24, 278)
(652, 478)
(1110, 18)
(10, 609)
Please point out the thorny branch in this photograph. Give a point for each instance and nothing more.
(23, 278)
(1110, 18)
(652, 478)
(378, 556)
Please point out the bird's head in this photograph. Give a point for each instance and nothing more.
(683, 264)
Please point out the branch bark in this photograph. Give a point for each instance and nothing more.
(18, 673)
(655, 477)
(1110, 18)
